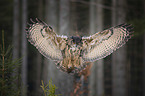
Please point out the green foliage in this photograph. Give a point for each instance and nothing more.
(8, 82)
(49, 90)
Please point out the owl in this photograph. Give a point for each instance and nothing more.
(72, 54)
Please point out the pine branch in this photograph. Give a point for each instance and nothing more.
(50, 91)
(7, 83)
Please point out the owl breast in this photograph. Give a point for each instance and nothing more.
(72, 59)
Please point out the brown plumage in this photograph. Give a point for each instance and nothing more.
(71, 53)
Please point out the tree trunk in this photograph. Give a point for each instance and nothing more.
(144, 56)
(48, 68)
(96, 77)
(39, 56)
(51, 17)
(100, 63)
(119, 57)
(16, 33)
(24, 49)
(93, 77)
(16, 30)
(64, 17)
(73, 20)
(114, 12)
(66, 81)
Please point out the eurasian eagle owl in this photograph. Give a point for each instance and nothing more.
(71, 53)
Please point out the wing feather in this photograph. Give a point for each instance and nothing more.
(45, 40)
(104, 43)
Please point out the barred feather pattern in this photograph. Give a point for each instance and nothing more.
(72, 54)
(44, 39)
(103, 43)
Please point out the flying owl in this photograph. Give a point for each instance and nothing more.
(71, 54)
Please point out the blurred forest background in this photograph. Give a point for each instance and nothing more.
(120, 74)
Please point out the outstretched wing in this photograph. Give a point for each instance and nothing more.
(104, 43)
(45, 39)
